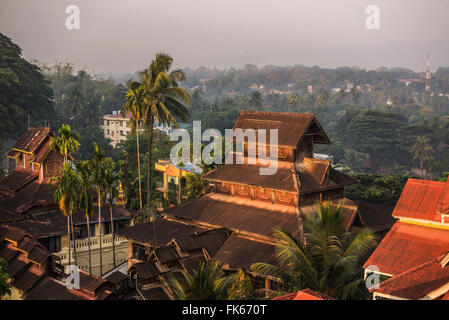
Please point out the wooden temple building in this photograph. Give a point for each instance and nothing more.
(412, 259)
(234, 223)
(27, 202)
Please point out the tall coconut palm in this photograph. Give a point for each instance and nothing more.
(135, 97)
(85, 198)
(66, 195)
(111, 188)
(326, 260)
(208, 282)
(422, 151)
(100, 164)
(67, 141)
(164, 100)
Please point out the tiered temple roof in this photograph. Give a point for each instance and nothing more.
(247, 204)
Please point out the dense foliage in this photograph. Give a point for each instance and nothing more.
(24, 93)
(326, 260)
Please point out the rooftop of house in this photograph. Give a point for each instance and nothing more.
(306, 294)
(425, 281)
(291, 126)
(423, 200)
(255, 217)
(31, 140)
(408, 245)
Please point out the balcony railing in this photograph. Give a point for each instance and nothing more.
(83, 244)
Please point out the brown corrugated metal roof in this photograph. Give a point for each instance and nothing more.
(32, 139)
(116, 277)
(51, 289)
(191, 264)
(312, 175)
(210, 240)
(249, 174)
(17, 179)
(158, 232)
(146, 269)
(239, 252)
(376, 217)
(90, 282)
(254, 216)
(165, 254)
(155, 293)
(291, 126)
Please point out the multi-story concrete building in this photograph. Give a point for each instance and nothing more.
(116, 127)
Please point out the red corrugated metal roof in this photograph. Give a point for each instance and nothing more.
(419, 200)
(443, 201)
(417, 282)
(306, 294)
(408, 245)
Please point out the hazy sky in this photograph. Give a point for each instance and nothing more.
(123, 36)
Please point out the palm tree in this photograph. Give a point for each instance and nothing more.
(326, 260)
(66, 195)
(111, 188)
(85, 198)
(164, 101)
(67, 141)
(293, 100)
(76, 100)
(134, 104)
(208, 282)
(422, 151)
(100, 164)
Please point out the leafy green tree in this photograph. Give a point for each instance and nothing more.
(194, 186)
(24, 93)
(241, 289)
(208, 282)
(135, 99)
(164, 101)
(100, 165)
(67, 141)
(67, 197)
(85, 198)
(293, 101)
(422, 151)
(111, 188)
(256, 100)
(327, 260)
(377, 188)
(5, 285)
(379, 135)
(89, 135)
(75, 101)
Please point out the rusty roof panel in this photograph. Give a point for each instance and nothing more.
(254, 216)
(291, 126)
(239, 252)
(408, 245)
